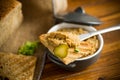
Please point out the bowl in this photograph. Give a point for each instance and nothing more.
(81, 63)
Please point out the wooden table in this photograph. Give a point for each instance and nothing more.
(39, 20)
(108, 65)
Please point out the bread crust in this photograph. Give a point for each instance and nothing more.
(10, 18)
(6, 6)
(70, 37)
(17, 67)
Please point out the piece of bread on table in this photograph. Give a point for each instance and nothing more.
(17, 66)
(10, 18)
(84, 48)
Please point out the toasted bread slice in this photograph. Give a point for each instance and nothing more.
(54, 39)
(17, 67)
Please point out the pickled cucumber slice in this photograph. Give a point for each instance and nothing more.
(61, 51)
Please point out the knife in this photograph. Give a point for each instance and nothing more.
(41, 57)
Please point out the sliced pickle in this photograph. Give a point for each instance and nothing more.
(61, 51)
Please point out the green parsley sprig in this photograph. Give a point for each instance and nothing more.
(28, 48)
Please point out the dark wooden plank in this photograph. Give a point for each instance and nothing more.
(106, 67)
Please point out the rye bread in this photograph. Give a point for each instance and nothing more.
(17, 66)
(10, 18)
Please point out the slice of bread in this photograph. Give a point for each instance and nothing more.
(84, 48)
(17, 67)
(50, 40)
(10, 18)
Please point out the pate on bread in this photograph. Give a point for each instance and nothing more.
(76, 48)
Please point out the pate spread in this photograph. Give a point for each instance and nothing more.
(69, 36)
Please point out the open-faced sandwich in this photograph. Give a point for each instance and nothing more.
(66, 45)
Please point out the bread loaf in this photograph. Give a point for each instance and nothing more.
(17, 67)
(10, 18)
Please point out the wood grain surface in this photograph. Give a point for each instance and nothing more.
(108, 65)
(39, 20)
